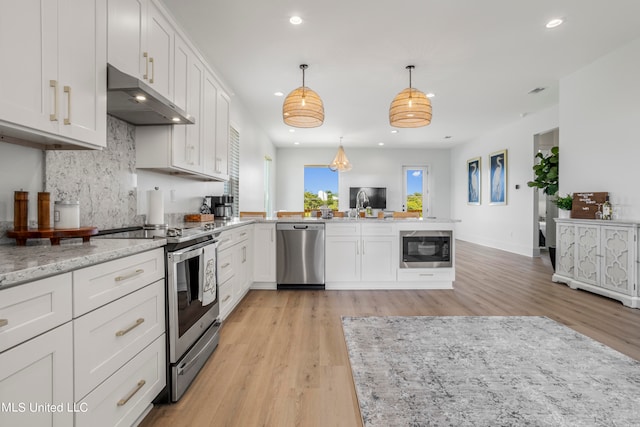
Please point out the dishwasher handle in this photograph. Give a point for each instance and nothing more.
(300, 227)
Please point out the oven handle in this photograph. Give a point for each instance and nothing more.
(191, 252)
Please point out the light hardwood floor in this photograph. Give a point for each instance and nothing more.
(282, 360)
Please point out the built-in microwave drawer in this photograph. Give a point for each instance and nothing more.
(100, 284)
(108, 337)
(33, 308)
(127, 394)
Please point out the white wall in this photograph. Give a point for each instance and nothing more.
(254, 146)
(508, 227)
(372, 167)
(21, 168)
(599, 119)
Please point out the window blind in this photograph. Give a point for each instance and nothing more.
(232, 186)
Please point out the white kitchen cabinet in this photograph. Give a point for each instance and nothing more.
(234, 267)
(264, 254)
(38, 372)
(127, 36)
(160, 39)
(222, 133)
(598, 256)
(361, 252)
(57, 96)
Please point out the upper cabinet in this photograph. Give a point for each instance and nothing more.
(141, 43)
(54, 94)
(198, 150)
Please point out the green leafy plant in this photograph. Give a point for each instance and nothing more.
(564, 203)
(546, 172)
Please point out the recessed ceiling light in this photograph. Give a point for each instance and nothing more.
(292, 130)
(381, 143)
(141, 98)
(295, 20)
(431, 95)
(278, 94)
(394, 131)
(296, 143)
(554, 23)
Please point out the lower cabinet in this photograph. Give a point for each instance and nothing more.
(36, 381)
(598, 256)
(235, 267)
(264, 253)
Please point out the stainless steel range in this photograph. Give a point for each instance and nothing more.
(192, 299)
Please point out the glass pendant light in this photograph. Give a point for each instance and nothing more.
(303, 108)
(340, 163)
(410, 108)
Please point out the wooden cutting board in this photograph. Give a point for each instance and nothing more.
(52, 234)
(198, 218)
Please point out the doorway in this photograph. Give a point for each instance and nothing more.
(544, 210)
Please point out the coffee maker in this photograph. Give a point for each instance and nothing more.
(221, 206)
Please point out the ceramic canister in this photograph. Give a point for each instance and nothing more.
(66, 214)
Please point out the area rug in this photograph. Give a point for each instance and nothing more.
(487, 371)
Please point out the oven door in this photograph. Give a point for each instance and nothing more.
(425, 249)
(192, 294)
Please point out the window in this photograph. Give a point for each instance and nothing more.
(232, 186)
(320, 187)
(415, 189)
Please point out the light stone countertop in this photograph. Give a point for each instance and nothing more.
(362, 220)
(21, 264)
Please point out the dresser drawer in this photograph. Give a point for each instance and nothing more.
(225, 265)
(107, 338)
(100, 284)
(121, 399)
(33, 308)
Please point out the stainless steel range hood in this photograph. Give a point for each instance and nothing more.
(134, 101)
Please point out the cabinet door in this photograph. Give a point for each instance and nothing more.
(587, 260)
(209, 111)
(379, 259)
(187, 150)
(127, 36)
(160, 51)
(222, 134)
(264, 253)
(617, 259)
(38, 372)
(342, 259)
(82, 73)
(29, 74)
(181, 58)
(565, 238)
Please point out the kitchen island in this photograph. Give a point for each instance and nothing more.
(368, 253)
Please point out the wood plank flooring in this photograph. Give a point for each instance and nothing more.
(282, 359)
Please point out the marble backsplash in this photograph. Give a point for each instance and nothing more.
(103, 181)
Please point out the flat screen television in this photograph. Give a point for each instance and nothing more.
(377, 196)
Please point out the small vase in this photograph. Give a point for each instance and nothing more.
(564, 213)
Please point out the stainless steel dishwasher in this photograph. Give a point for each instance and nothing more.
(300, 255)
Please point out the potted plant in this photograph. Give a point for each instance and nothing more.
(564, 204)
(546, 172)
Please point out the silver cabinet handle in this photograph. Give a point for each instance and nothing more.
(67, 90)
(226, 265)
(272, 235)
(244, 233)
(137, 388)
(4, 322)
(130, 275)
(146, 65)
(363, 247)
(358, 247)
(227, 298)
(122, 332)
(54, 84)
(427, 274)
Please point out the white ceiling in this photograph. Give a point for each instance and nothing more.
(480, 58)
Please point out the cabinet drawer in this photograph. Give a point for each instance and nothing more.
(225, 240)
(424, 275)
(100, 284)
(343, 229)
(225, 265)
(121, 399)
(34, 308)
(226, 298)
(107, 338)
(379, 229)
(241, 234)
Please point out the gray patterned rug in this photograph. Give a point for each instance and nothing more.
(487, 371)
